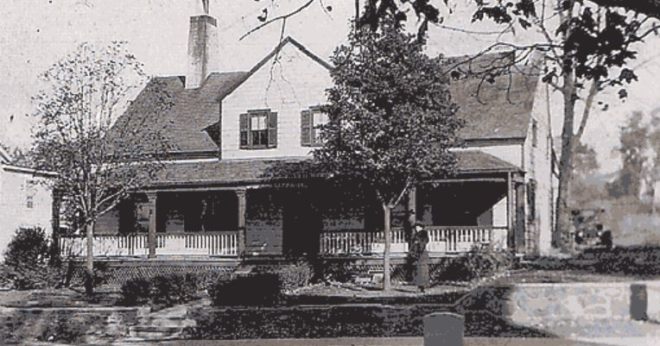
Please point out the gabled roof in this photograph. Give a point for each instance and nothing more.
(192, 111)
(495, 111)
(491, 111)
(255, 171)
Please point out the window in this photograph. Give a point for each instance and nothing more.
(535, 134)
(258, 129)
(29, 202)
(310, 123)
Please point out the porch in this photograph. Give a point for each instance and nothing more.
(305, 220)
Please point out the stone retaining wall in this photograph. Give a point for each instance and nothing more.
(534, 304)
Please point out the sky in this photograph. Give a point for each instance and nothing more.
(34, 34)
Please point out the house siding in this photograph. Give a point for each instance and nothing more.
(538, 164)
(14, 189)
(284, 87)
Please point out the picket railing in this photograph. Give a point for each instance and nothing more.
(190, 243)
(442, 239)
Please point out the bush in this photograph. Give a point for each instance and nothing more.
(162, 290)
(174, 289)
(291, 276)
(136, 291)
(30, 262)
(476, 264)
(338, 271)
(262, 289)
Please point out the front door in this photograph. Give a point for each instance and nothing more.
(302, 225)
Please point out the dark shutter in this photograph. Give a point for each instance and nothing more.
(244, 127)
(306, 128)
(272, 130)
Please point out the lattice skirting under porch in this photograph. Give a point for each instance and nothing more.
(116, 273)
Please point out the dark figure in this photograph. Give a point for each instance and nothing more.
(420, 257)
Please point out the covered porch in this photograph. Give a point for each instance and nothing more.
(250, 217)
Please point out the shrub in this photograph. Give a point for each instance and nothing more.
(30, 261)
(136, 291)
(262, 289)
(291, 276)
(174, 289)
(338, 271)
(477, 263)
(163, 290)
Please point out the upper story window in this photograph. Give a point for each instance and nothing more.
(29, 202)
(258, 129)
(310, 123)
(535, 133)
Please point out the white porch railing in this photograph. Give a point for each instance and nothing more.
(442, 239)
(198, 243)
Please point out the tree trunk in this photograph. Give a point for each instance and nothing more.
(89, 260)
(387, 285)
(562, 237)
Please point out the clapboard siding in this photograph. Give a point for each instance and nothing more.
(284, 87)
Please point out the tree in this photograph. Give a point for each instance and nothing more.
(633, 137)
(391, 119)
(98, 164)
(584, 188)
(588, 45)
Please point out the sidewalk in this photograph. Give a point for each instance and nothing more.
(406, 341)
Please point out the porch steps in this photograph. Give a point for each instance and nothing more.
(166, 324)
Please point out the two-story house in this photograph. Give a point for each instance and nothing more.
(217, 195)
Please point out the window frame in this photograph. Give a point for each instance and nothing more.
(245, 129)
(314, 141)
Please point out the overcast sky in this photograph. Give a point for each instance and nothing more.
(36, 33)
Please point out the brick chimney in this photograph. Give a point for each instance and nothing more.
(203, 51)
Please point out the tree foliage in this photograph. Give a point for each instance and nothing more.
(391, 119)
(85, 94)
(633, 137)
(98, 160)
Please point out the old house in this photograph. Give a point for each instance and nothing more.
(25, 201)
(217, 195)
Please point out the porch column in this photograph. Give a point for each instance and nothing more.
(519, 230)
(509, 211)
(151, 239)
(242, 199)
(55, 222)
(411, 211)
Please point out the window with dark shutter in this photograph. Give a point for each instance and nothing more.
(311, 121)
(258, 129)
(306, 128)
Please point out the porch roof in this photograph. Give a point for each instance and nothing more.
(209, 172)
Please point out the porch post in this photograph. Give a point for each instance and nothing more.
(411, 209)
(519, 233)
(242, 199)
(509, 211)
(151, 239)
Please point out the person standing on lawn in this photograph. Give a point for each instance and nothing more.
(420, 257)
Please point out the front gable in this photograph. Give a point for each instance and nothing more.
(278, 90)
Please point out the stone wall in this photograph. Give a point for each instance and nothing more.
(544, 304)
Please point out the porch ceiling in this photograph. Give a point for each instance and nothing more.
(256, 171)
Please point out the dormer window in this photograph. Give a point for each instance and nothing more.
(311, 122)
(258, 129)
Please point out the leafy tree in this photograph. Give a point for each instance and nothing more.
(391, 119)
(633, 137)
(584, 188)
(588, 46)
(84, 94)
